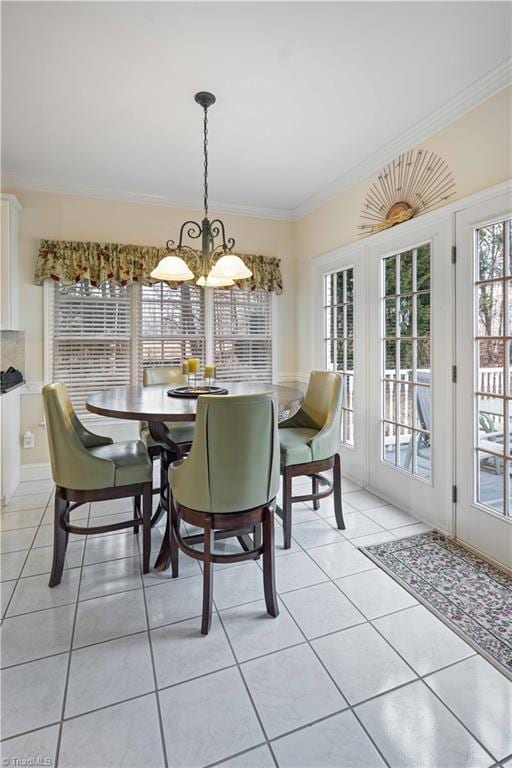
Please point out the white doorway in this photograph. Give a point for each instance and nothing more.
(484, 387)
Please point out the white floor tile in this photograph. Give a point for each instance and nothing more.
(411, 530)
(13, 541)
(24, 518)
(113, 576)
(321, 609)
(482, 698)
(28, 501)
(314, 533)
(375, 593)
(105, 618)
(253, 632)
(123, 736)
(44, 537)
(347, 485)
(219, 702)
(11, 564)
(234, 586)
(373, 538)
(187, 567)
(296, 571)
(340, 559)
(425, 642)
(34, 635)
(39, 560)
(29, 487)
(6, 590)
(32, 694)
(107, 673)
(362, 663)
(364, 500)
(390, 516)
(290, 689)
(254, 758)
(176, 600)
(337, 742)
(357, 525)
(34, 594)
(412, 728)
(103, 548)
(181, 652)
(111, 507)
(40, 745)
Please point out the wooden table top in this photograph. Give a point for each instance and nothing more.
(154, 404)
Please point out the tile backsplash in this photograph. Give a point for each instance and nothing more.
(12, 350)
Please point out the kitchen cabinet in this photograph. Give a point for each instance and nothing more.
(9, 263)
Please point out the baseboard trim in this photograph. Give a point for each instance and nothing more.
(35, 472)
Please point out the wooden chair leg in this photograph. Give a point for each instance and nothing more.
(287, 508)
(60, 540)
(207, 577)
(336, 481)
(147, 503)
(173, 543)
(269, 580)
(257, 536)
(315, 484)
(136, 512)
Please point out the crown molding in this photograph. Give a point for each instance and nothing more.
(479, 91)
(18, 181)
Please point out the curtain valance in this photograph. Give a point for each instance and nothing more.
(68, 262)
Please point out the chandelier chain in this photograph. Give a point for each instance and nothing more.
(205, 150)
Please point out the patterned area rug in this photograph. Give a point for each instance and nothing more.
(468, 594)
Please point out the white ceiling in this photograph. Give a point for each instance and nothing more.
(100, 95)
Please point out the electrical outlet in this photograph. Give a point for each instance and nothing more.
(28, 439)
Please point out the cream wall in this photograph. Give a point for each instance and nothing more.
(478, 150)
(63, 217)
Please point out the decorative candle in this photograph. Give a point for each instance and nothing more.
(185, 368)
(209, 371)
(193, 364)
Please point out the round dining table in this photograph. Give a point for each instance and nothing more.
(154, 405)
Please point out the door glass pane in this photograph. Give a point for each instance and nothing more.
(339, 340)
(492, 361)
(406, 361)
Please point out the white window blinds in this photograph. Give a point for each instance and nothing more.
(171, 325)
(90, 336)
(242, 334)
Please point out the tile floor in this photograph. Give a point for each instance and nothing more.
(109, 668)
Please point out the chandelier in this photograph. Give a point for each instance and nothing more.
(228, 267)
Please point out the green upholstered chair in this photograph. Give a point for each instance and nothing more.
(227, 485)
(87, 467)
(180, 432)
(309, 443)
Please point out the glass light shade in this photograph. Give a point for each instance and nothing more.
(214, 282)
(172, 268)
(232, 267)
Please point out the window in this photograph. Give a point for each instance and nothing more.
(406, 394)
(242, 334)
(104, 337)
(492, 359)
(339, 340)
(90, 338)
(171, 324)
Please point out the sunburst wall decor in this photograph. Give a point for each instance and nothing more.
(416, 181)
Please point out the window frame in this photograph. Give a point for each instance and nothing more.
(135, 299)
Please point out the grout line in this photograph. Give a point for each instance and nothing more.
(153, 666)
(70, 653)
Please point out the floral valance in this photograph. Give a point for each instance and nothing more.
(68, 262)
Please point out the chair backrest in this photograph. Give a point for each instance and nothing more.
(233, 464)
(423, 400)
(163, 374)
(72, 465)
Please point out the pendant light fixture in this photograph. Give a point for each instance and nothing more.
(229, 267)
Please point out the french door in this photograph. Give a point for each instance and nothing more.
(410, 389)
(484, 386)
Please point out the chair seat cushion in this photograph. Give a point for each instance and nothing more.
(181, 432)
(293, 443)
(131, 460)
